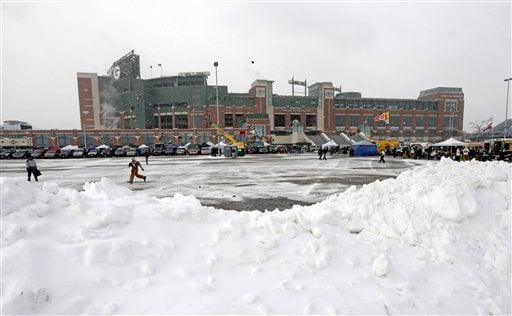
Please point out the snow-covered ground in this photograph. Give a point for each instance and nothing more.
(433, 240)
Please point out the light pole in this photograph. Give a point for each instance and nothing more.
(506, 109)
(84, 127)
(215, 64)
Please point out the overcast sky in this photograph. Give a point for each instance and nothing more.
(381, 49)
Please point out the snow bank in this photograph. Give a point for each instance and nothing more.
(435, 240)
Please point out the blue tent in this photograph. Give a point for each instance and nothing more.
(364, 148)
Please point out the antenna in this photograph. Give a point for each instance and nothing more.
(294, 82)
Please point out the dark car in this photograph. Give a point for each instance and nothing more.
(158, 151)
(93, 153)
(21, 154)
(6, 154)
(170, 150)
(65, 154)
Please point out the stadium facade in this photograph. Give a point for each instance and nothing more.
(122, 100)
(122, 108)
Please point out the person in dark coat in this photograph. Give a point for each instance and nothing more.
(382, 154)
(31, 168)
(146, 154)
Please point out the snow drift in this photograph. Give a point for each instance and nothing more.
(435, 240)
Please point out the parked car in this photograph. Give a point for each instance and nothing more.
(20, 154)
(93, 153)
(6, 154)
(79, 153)
(131, 152)
(206, 150)
(106, 152)
(193, 150)
(51, 153)
(158, 151)
(119, 152)
(65, 154)
(182, 150)
(38, 153)
(170, 150)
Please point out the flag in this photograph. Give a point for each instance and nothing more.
(384, 116)
(489, 125)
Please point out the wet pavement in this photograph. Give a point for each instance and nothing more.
(253, 182)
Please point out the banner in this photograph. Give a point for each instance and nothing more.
(384, 116)
(489, 125)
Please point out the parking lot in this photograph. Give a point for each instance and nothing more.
(253, 182)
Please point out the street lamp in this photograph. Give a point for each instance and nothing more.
(506, 108)
(84, 127)
(215, 64)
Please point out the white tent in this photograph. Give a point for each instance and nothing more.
(450, 142)
(103, 146)
(69, 147)
(330, 143)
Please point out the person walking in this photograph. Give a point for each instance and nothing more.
(146, 154)
(382, 154)
(134, 164)
(32, 168)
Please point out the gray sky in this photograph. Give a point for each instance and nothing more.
(381, 49)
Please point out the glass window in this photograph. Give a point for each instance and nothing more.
(420, 121)
(450, 106)
(450, 122)
(311, 120)
(228, 120)
(354, 120)
(181, 121)
(279, 120)
(166, 121)
(394, 120)
(407, 119)
(432, 121)
(340, 121)
(295, 117)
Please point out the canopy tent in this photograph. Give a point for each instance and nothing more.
(329, 144)
(450, 142)
(364, 148)
(69, 147)
(103, 146)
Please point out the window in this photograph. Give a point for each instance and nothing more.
(450, 106)
(340, 121)
(450, 122)
(166, 121)
(295, 117)
(407, 119)
(279, 120)
(432, 121)
(228, 120)
(310, 120)
(420, 121)
(394, 120)
(181, 121)
(354, 120)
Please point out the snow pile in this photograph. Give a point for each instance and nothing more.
(435, 240)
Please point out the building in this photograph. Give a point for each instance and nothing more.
(16, 125)
(122, 100)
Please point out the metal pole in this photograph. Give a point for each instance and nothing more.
(215, 64)
(506, 108)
